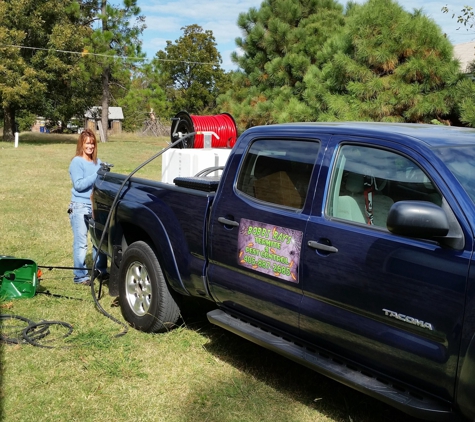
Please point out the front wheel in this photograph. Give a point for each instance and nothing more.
(144, 298)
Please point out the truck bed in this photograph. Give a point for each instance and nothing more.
(155, 210)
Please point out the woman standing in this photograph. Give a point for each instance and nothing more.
(83, 171)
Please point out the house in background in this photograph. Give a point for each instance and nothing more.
(40, 125)
(93, 115)
(465, 53)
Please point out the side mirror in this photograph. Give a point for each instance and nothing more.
(419, 219)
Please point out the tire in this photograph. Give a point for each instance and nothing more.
(144, 298)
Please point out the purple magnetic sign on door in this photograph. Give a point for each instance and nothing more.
(270, 249)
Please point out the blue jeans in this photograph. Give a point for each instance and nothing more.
(80, 227)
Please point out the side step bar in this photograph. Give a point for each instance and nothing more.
(411, 402)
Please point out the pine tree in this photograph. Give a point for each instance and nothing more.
(281, 41)
(387, 65)
(466, 88)
(111, 43)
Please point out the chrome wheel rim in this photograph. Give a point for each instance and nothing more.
(138, 288)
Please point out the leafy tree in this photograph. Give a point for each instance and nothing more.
(143, 97)
(190, 71)
(33, 72)
(281, 41)
(25, 120)
(387, 65)
(466, 17)
(110, 44)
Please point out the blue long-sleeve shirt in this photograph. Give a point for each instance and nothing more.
(83, 175)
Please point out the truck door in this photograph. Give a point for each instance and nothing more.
(392, 302)
(256, 229)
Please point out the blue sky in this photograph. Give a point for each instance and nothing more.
(165, 18)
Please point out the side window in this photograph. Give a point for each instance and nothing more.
(367, 181)
(278, 171)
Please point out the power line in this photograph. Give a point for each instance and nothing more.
(87, 53)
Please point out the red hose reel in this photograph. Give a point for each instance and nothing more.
(222, 125)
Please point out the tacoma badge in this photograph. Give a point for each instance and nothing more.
(408, 319)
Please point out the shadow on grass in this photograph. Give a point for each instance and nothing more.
(34, 138)
(329, 398)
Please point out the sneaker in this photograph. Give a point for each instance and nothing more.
(85, 283)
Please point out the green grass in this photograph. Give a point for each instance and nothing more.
(196, 372)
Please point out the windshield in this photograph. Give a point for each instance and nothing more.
(461, 162)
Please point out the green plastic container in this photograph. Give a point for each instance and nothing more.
(18, 277)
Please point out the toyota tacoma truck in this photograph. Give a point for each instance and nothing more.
(346, 247)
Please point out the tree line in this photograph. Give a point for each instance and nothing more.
(314, 60)
(306, 60)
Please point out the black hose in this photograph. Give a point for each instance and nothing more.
(49, 267)
(32, 333)
(32, 339)
(106, 224)
(35, 331)
(48, 293)
(14, 335)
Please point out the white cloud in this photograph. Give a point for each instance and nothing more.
(153, 45)
(204, 9)
(227, 63)
(162, 24)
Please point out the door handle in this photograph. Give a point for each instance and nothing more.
(227, 222)
(322, 246)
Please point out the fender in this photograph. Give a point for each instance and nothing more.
(137, 215)
(466, 384)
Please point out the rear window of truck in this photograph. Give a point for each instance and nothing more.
(278, 171)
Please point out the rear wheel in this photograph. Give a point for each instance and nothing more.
(144, 298)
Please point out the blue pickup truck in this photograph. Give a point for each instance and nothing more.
(346, 247)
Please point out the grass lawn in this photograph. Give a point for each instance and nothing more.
(197, 372)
